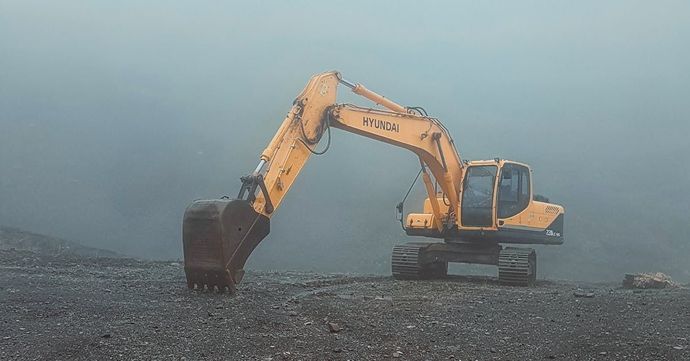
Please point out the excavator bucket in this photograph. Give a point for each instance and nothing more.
(218, 236)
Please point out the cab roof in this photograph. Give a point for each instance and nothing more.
(495, 161)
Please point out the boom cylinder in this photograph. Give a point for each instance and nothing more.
(278, 137)
(379, 99)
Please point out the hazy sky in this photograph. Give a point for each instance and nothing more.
(115, 115)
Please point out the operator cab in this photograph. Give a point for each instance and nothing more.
(511, 191)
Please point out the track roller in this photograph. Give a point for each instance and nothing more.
(408, 261)
(517, 266)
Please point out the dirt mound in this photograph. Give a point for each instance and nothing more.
(20, 240)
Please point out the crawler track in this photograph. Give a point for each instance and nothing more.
(517, 266)
(408, 262)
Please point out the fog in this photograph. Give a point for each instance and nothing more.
(116, 115)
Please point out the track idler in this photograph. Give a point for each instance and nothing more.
(218, 236)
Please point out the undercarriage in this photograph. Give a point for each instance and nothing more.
(428, 260)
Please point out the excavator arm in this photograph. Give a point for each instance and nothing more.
(219, 235)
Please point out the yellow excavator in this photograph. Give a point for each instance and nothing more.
(475, 207)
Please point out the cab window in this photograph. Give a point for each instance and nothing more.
(513, 190)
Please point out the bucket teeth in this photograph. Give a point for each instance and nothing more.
(211, 281)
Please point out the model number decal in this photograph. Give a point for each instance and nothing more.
(551, 233)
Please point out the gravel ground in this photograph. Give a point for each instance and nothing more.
(67, 308)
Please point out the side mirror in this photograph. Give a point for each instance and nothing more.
(541, 198)
(399, 209)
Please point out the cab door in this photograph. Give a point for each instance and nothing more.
(478, 196)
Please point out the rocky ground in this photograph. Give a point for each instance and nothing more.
(67, 307)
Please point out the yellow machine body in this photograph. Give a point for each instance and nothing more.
(532, 222)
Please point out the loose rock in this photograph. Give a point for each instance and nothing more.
(583, 294)
(333, 327)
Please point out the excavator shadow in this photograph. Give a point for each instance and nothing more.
(488, 280)
(479, 280)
